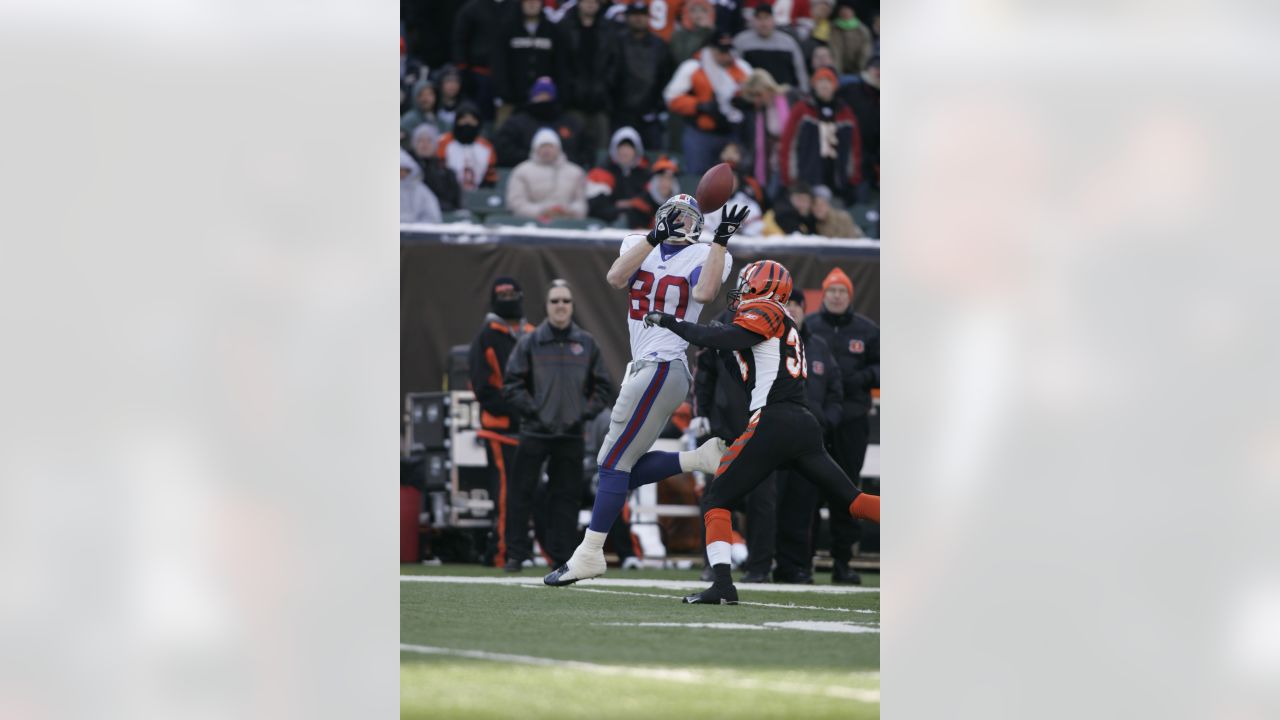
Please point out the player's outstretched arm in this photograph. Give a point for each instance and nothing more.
(708, 286)
(619, 275)
(722, 337)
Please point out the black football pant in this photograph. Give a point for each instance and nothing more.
(563, 458)
(762, 526)
(797, 498)
(784, 436)
(502, 459)
(849, 442)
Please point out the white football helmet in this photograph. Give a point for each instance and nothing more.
(689, 213)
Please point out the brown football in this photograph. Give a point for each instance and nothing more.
(715, 188)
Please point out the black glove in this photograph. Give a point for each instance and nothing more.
(665, 227)
(659, 318)
(729, 224)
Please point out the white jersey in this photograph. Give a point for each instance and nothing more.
(665, 283)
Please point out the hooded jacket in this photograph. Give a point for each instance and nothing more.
(415, 117)
(417, 203)
(613, 182)
(439, 179)
(487, 362)
(521, 57)
(643, 65)
(535, 187)
(557, 381)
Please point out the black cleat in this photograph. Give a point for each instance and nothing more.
(755, 577)
(714, 595)
(798, 577)
(553, 578)
(513, 566)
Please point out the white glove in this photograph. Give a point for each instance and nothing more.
(700, 426)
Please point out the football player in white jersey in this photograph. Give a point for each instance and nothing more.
(668, 271)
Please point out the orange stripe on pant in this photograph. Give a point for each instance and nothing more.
(501, 558)
(735, 449)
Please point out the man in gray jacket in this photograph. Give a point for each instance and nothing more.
(764, 47)
(556, 380)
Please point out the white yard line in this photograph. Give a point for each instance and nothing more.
(624, 583)
(740, 602)
(805, 625)
(683, 675)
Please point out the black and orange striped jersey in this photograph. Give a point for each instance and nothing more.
(773, 369)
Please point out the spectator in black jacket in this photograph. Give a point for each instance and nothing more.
(542, 110)
(864, 98)
(618, 188)
(475, 39)
(503, 326)
(644, 69)
(794, 213)
(722, 404)
(797, 497)
(527, 49)
(855, 343)
(586, 90)
(557, 382)
(439, 179)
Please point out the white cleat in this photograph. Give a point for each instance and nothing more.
(583, 565)
(707, 456)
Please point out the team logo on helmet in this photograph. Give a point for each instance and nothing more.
(761, 279)
(688, 211)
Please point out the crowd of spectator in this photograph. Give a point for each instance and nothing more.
(566, 110)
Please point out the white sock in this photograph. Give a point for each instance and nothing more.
(689, 461)
(719, 553)
(593, 541)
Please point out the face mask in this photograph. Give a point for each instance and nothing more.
(848, 24)
(542, 110)
(509, 309)
(466, 134)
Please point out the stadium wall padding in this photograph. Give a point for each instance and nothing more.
(444, 294)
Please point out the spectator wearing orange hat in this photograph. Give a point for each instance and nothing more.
(821, 144)
(855, 342)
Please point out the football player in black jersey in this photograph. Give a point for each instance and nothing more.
(782, 433)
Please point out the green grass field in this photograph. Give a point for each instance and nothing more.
(600, 649)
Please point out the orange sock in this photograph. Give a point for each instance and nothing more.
(866, 507)
(719, 525)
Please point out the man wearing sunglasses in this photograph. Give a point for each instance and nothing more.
(556, 380)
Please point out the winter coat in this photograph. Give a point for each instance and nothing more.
(691, 94)
(802, 156)
(591, 64)
(864, 100)
(535, 187)
(611, 183)
(417, 203)
(557, 381)
(643, 67)
(851, 48)
(475, 33)
(512, 141)
(486, 363)
(520, 58)
(441, 181)
(839, 224)
(779, 54)
(855, 343)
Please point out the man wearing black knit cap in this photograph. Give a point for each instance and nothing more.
(503, 326)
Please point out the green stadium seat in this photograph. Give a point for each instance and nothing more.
(507, 219)
(483, 202)
(461, 215)
(867, 217)
(575, 224)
